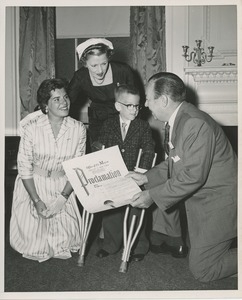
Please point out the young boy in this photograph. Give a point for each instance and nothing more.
(137, 135)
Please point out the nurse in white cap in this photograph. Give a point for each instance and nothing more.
(95, 81)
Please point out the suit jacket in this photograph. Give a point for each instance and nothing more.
(138, 136)
(203, 168)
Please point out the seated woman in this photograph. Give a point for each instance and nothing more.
(45, 220)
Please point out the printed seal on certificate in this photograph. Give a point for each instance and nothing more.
(99, 181)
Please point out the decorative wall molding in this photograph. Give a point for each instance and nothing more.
(211, 75)
(206, 23)
(213, 86)
(217, 91)
(214, 33)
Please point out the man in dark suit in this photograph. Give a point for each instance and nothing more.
(201, 169)
(130, 134)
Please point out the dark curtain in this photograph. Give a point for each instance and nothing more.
(36, 53)
(148, 44)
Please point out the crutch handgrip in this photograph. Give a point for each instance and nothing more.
(154, 160)
(138, 159)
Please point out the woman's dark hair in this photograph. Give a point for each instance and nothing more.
(45, 88)
(166, 83)
(97, 49)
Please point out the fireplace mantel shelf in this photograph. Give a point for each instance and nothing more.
(219, 75)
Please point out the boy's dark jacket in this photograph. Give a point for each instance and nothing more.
(139, 136)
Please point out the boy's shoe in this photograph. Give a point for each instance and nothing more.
(137, 257)
(102, 253)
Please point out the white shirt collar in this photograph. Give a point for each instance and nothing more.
(122, 121)
(172, 118)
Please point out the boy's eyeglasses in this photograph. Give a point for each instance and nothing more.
(131, 106)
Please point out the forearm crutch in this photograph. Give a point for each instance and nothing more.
(128, 240)
(86, 224)
(87, 219)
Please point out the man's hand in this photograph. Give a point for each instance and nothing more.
(141, 200)
(139, 178)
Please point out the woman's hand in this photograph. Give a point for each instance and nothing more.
(56, 206)
(139, 178)
(38, 203)
(41, 209)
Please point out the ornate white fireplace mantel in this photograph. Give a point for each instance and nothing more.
(222, 75)
(216, 88)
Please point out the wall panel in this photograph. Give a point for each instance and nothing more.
(95, 21)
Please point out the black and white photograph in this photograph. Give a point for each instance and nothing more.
(157, 82)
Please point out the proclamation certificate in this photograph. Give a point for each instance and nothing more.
(99, 181)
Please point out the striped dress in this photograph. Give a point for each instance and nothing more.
(37, 238)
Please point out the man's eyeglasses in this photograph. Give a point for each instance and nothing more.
(131, 106)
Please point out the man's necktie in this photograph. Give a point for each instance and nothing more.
(166, 139)
(123, 130)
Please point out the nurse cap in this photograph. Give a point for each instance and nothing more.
(83, 46)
